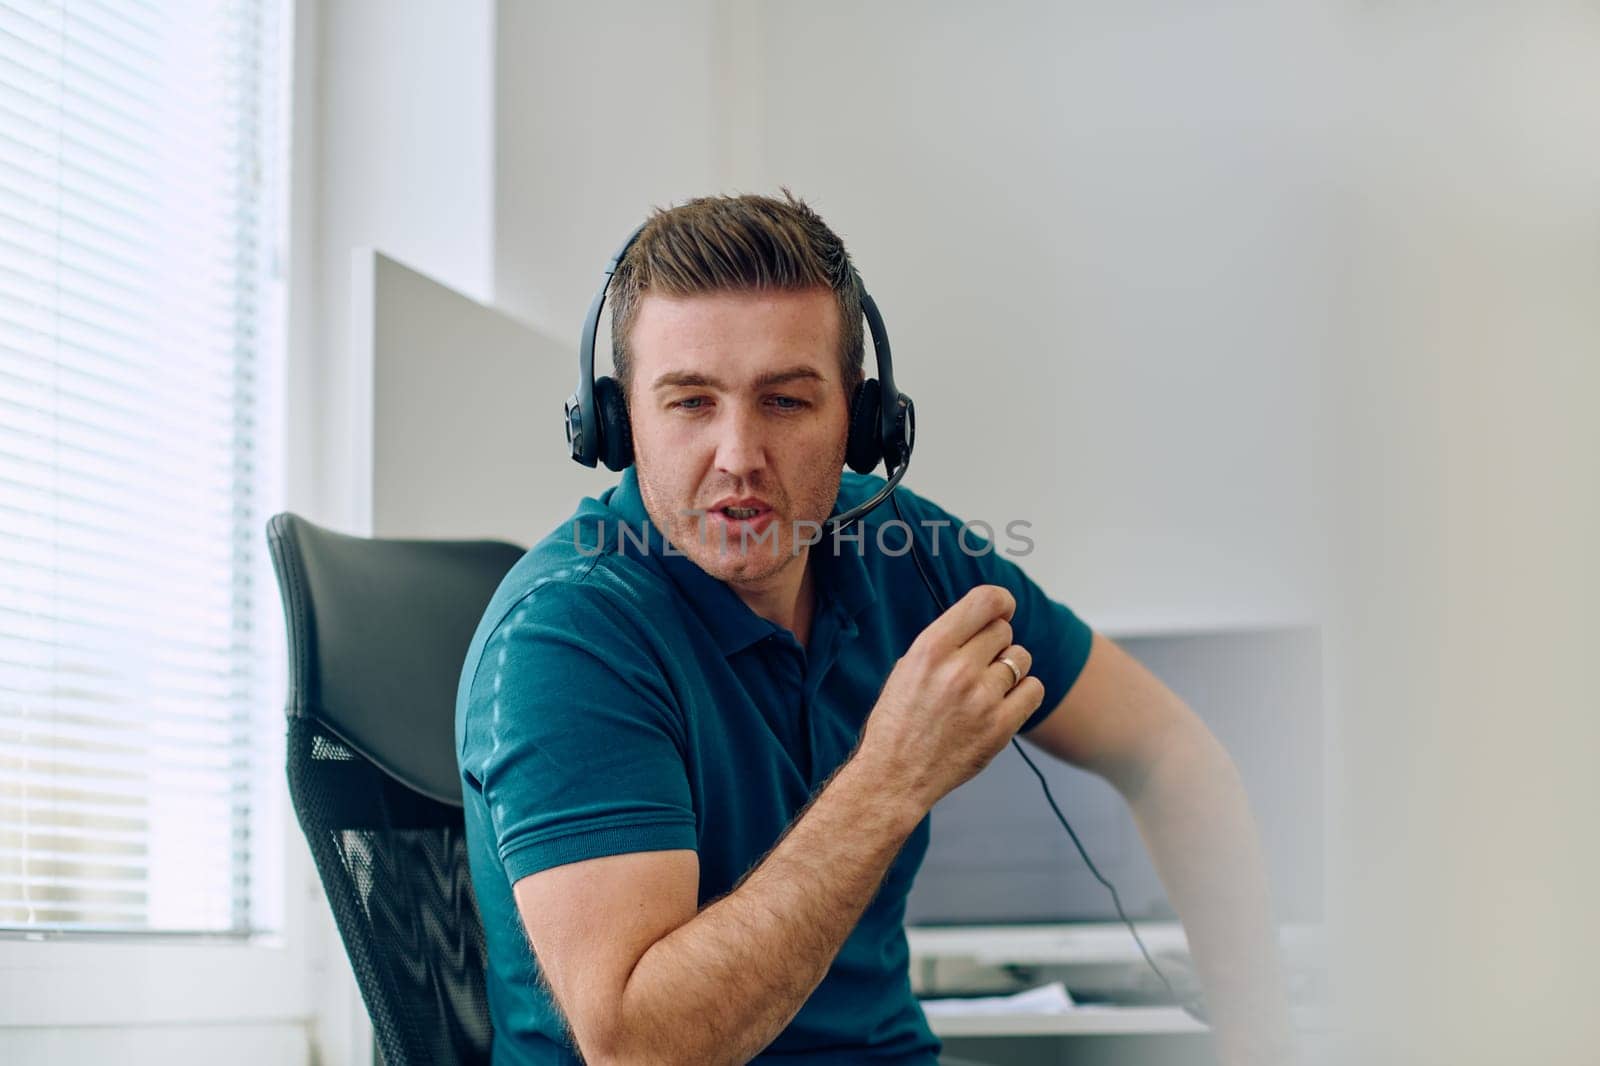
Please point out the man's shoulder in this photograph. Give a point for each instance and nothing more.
(571, 573)
(575, 579)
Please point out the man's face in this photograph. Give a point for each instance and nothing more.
(736, 401)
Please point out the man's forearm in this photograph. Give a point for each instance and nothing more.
(723, 985)
(1192, 812)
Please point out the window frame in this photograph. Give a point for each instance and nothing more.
(78, 979)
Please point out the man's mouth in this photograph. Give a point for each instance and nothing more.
(749, 516)
(741, 510)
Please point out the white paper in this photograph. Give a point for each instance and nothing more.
(1052, 998)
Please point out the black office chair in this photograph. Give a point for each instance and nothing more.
(378, 631)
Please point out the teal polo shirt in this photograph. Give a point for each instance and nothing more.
(617, 698)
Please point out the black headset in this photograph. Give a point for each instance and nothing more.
(882, 418)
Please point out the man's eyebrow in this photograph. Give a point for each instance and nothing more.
(783, 377)
(673, 379)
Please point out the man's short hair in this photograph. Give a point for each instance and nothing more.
(716, 244)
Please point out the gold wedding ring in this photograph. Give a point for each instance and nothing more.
(1016, 675)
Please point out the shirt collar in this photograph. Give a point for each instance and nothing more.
(841, 575)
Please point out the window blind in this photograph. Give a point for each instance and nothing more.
(139, 308)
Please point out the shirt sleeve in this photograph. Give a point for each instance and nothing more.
(572, 736)
(960, 556)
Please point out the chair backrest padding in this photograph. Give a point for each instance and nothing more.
(378, 632)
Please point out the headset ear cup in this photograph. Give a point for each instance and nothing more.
(897, 449)
(616, 433)
(864, 449)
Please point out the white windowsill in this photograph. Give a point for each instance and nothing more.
(72, 981)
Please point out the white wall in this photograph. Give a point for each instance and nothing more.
(1471, 485)
(1104, 248)
(404, 148)
(604, 110)
(464, 439)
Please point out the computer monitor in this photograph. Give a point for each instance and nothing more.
(998, 854)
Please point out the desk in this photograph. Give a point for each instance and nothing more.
(1080, 1021)
(989, 960)
(1109, 1036)
(1086, 942)
(974, 960)
(970, 957)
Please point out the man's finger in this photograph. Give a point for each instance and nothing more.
(980, 606)
(1022, 701)
(989, 641)
(1021, 661)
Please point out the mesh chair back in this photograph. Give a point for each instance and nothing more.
(378, 631)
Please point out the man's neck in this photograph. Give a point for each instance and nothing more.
(790, 603)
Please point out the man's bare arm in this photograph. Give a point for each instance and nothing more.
(1120, 722)
(1196, 824)
(724, 985)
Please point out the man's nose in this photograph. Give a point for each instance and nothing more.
(741, 446)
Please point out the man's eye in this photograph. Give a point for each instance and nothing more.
(788, 403)
(691, 403)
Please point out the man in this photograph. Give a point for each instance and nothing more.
(698, 751)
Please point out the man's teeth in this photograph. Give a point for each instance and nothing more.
(741, 512)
